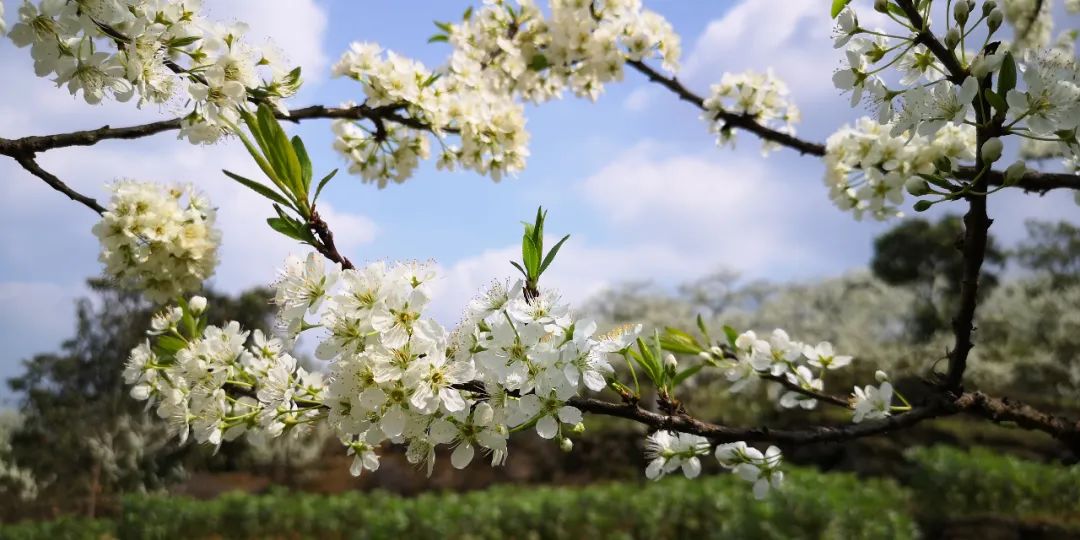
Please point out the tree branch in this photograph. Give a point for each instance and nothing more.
(973, 403)
(826, 398)
(1023, 415)
(42, 143)
(326, 241)
(1031, 181)
(32, 166)
(741, 121)
(722, 434)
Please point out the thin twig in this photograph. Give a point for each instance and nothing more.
(820, 396)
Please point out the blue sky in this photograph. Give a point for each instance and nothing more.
(635, 178)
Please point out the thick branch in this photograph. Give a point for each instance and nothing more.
(32, 166)
(1023, 415)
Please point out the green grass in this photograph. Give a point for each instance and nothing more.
(947, 485)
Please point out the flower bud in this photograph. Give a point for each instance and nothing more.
(960, 12)
(565, 444)
(1015, 172)
(923, 205)
(197, 304)
(578, 428)
(880, 376)
(991, 149)
(952, 38)
(993, 20)
(917, 186)
(988, 6)
(881, 6)
(670, 363)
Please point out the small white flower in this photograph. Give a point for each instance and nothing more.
(872, 402)
(668, 451)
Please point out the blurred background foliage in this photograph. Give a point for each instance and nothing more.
(78, 458)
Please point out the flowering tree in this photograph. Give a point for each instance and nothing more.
(947, 96)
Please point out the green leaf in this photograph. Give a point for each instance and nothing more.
(647, 361)
(289, 228)
(701, 327)
(684, 374)
(182, 41)
(539, 62)
(995, 101)
(679, 346)
(1007, 75)
(257, 154)
(445, 27)
(170, 345)
(280, 151)
(538, 230)
(530, 255)
(731, 335)
(304, 160)
(438, 38)
(677, 341)
(468, 13)
(838, 6)
(896, 10)
(551, 254)
(322, 183)
(260, 189)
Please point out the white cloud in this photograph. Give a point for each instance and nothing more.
(793, 37)
(718, 207)
(673, 217)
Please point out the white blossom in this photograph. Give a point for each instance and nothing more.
(151, 239)
(668, 451)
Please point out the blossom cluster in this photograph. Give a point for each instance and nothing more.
(868, 167)
(212, 383)
(490, 126)
(934, 95)
(501, 52)
(579, 46)
(162, 51)
(394, 374)
(761, 97)
(154, 240)
(780, 358)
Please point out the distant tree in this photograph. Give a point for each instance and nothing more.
(81, 435)
(1053, 250)
(924, 256)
